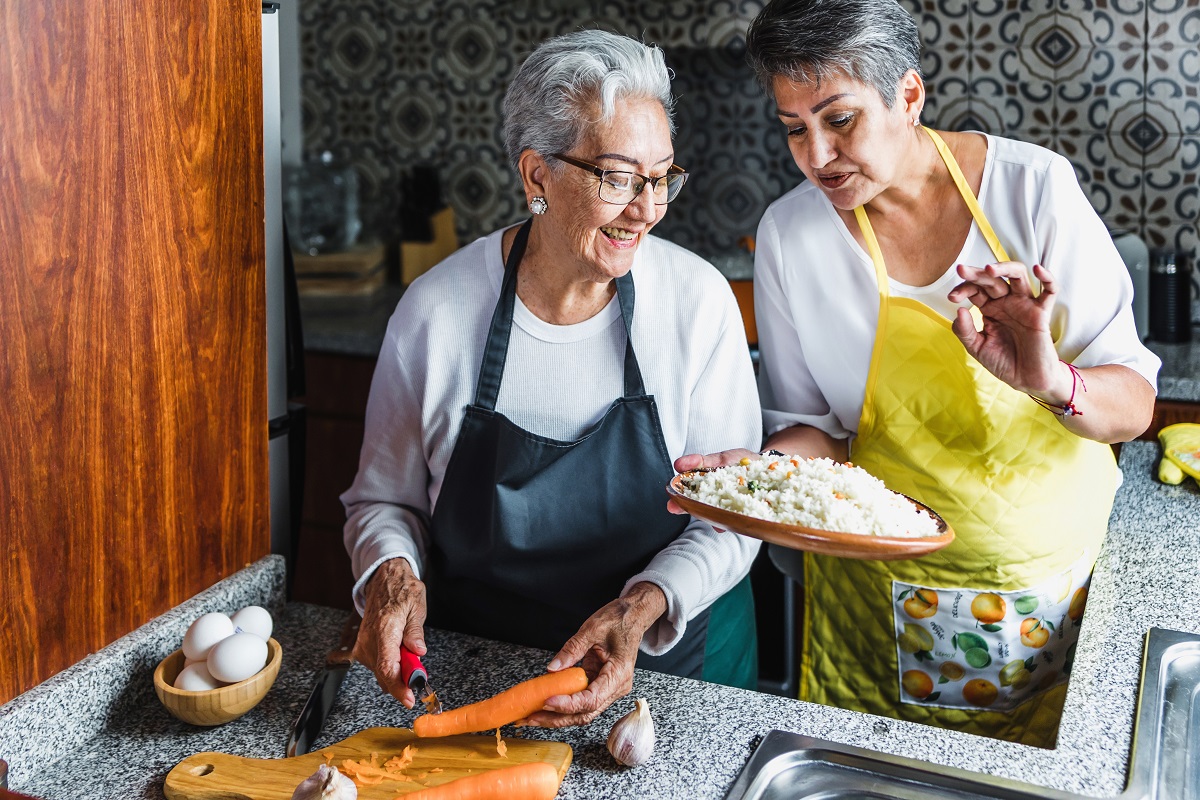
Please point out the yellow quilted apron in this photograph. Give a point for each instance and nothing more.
(979, 636)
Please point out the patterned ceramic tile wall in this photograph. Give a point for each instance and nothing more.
(388, 84)
(1111, 84)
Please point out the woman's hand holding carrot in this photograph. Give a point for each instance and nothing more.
(607, 647)
(511, 705)
(394, 614)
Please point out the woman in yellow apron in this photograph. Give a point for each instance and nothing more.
(901, 328)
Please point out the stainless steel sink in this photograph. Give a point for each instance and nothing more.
(1165, 761)
(1166, 736)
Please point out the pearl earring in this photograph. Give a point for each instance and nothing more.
(538, 206)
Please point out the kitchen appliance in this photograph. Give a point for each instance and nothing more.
(1136, 255)
(325, 689)
(1170, 297)
(219, 776)
(285, 340)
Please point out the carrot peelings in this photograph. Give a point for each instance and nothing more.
(504, 708)
(533, 781)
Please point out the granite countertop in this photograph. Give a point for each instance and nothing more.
(97, 730)
(352, 325)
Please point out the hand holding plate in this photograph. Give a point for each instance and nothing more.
(694, 461)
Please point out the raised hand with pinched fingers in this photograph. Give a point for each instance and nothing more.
(1015, 343)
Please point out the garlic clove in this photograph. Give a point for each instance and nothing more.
(631, 740)
(326, 784)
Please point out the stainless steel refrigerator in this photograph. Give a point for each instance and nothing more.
(285, 341)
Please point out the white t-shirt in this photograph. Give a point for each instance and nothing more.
(817, 299)
(558, 381)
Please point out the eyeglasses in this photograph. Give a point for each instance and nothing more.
(621, 188)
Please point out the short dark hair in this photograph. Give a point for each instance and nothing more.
(874, 42)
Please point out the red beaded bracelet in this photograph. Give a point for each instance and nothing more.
(1068, 409)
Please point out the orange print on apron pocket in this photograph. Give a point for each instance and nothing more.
(974, 648)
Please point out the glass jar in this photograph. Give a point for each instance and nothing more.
(321, 204)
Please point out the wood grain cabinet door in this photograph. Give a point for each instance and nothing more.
(133, 430)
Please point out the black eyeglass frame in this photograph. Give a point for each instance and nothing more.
(600, 172)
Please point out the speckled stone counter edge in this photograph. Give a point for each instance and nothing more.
(37, 727)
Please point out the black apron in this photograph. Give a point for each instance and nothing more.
(531, 536)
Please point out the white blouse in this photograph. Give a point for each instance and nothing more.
(817, 302)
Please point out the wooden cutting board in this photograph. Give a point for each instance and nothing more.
(219, 776)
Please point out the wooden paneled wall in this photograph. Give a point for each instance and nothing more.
(133, 420)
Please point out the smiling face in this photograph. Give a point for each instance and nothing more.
(601, 237)
(844, 138)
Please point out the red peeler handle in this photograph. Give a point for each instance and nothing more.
(410, 665)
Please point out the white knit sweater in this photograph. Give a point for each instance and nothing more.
(558, 381)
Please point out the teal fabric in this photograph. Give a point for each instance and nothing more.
(731, 651)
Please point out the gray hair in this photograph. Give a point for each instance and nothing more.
(575, 80)
(874, 42)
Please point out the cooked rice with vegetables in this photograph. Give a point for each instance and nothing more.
(814, 493)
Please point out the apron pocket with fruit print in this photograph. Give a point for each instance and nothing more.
(972, 648)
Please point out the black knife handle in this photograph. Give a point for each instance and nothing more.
(343, 654)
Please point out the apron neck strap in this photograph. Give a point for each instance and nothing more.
(495, 352)
(964, 189)
(968, 196)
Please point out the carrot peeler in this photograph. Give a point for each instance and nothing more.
(416, 677)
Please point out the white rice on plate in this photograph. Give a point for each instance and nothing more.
(814, 493)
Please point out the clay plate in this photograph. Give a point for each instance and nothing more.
(830, 543)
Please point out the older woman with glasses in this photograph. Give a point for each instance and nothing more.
(532, 392)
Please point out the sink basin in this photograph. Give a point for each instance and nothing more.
(788, 766)
(1165, 762)
(1166, 735)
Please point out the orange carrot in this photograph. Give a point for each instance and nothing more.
(534, 781)
(510, 705)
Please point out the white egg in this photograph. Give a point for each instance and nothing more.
(204, 633)
(237, 657)
(187, 662)
(253, 619)
(196, 678)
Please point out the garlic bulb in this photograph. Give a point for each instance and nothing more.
(326, 784)
(631, 740)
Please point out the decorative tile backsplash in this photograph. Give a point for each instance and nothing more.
(1110, 84)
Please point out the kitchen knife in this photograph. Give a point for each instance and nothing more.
(324, 692)
(416, 677)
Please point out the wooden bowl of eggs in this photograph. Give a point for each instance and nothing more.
(222, 671)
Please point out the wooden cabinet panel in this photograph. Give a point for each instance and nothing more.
(338, 386)
(1170, 412)
(133, 436)
(334, 445)
(743, 292)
